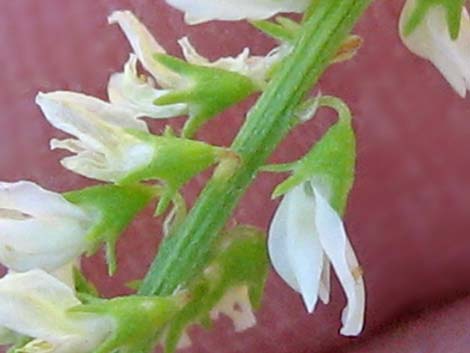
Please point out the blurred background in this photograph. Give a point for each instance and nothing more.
(408, 216)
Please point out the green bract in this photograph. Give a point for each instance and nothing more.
(331, 161)
(138, 320)
(115, 207)
(208, 91)
(452, 7)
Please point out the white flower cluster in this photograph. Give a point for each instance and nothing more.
(42, 234)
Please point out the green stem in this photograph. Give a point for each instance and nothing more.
(184, 253)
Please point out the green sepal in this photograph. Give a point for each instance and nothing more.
(283, 29)
(83, 285)
(138, 320)
(331, 162)
(17, 343)
(240, 259)
(114, 208)
(453, 9)
(207, 91)
(174, 162)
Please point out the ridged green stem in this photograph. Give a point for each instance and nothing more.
(184, 253)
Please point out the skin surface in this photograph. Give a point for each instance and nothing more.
(408, 213)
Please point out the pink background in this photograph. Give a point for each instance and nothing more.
(409, 212)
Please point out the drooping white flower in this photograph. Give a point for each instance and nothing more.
(105, 149)
(432, 40)
(307, 236)
(229, 10)
(40, 229)
(35, 304)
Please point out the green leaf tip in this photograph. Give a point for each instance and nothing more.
(208, 91)
(114, 208)
(83, 285)
(282, 28)
(453, 9)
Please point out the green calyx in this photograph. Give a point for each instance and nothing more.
(138, 320)
(114, 207)
(207, 91)
(330, 163)
(240, 259)
(453, 10)
(175, 161)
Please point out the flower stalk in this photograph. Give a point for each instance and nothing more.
(187, 249)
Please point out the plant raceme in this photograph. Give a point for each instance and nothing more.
(204, 269)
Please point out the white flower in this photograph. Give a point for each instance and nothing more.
(134, 92)
(236, 305)
(431, 40)
(254, 67)
(40, 229)
(229, 10)
(35, 304)
(306, 236)
(105, 149)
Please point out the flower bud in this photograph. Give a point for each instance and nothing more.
(35, 304)
(39, 228)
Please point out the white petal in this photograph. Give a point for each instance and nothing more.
(207, 10)
(431, 40)
(128, 90)
(35, 304)
(62, 107)
(303, 246)
(33, 200)
(255, 68)
(144, 46)
(277, 245)
(184, 342)
(337, 247)
(106, 149)
(51, 233)
(237, 306)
